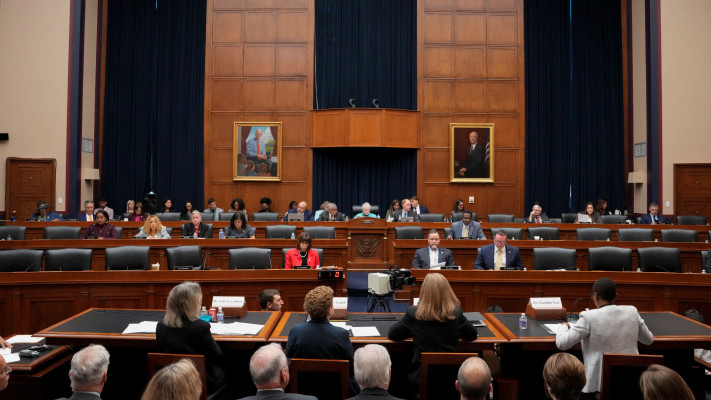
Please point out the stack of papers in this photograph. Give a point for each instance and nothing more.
(357, 331)
(141, 327)
(235, 328)
(9, 356)
(24, 339)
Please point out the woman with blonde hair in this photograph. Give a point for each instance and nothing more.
(661, 383)
(152, 229)
(177, 381)
(563, 377)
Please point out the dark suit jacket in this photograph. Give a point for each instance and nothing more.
(277, 395)
(326, 216)
(475, 231)
(308, 215)
(424, 209)
(475, 162)
(397, 216)
(321, 340)
(82, 217)
(422, 257)
(544, 219)
(485, 258)
(374, 394)
(647, 219)
(189, 230)
(81, 396)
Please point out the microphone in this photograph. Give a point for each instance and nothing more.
(204, 260)
(570, 315)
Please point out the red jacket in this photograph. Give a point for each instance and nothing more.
(294, 259)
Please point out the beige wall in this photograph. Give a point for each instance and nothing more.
(639, 99)
(88, 107)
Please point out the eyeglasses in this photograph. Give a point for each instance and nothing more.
(7, 370)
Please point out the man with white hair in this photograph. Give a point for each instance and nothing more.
(332, 214)
(474, 379)
(270, 374)
(372, 372)
(88, 372)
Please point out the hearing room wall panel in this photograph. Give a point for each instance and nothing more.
(503, 5)
(226, 27)
(221, 126)
(506, 134)
(259, 94)
(469, 29)
(470, 62)
(501, 62)
(292, 26)
(439, 96)
(502, 29)
(397, 125)
(438, 61)
(266, 54)
(434, 160)
(291, 94)
(227, 60)
(470, 96)
(503, 96)
(438, 27)
(226, 94)
(291, 60)
(260, 26)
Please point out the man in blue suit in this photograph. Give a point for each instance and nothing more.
(466, 228)
(417, 207)
(654, 218)
(302, 208)
(498, 253)
(88, 213)
(432, 254)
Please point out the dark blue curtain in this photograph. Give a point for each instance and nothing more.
(153, 112)
(366, 50)
(574, 104)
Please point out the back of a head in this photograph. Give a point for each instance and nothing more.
(564, 376)
(661, 383)
(88, 367)
(318, 301)
(474, 379)
(372, 367)
(606, 289)
(183, 303)
(178, 381)
(437, 299)
(266, 364)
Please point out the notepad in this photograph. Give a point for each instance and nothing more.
(141, 327)
(24, 339)
(364, 331)
(235, 328)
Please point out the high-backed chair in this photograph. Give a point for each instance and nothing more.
(431, 217)
(325, 379)
(283, 256)
(555, 220)
(609, 259)
(613, 219)
(553, 258)
(250, 258)
(184, 257)
(501, 218)
(691, 220)
(127, 257)
(62, 232)
(635, 235)
(321, 232)
(592, 234)
(704, 256)
(168, 216)
(265, 216)
(68, 260)
(169, 230)
(438, 371)
(544, 232)
(156, 361)
(207, 216)
(16, 232)
(659, 259)
(280, 231)
(678, 235)
(568, 218)
(408, 232)
(457, 216)
(620, 374)
(119, 231)
(225, 216)
(357, 209)
(511, 233)
(21, 260)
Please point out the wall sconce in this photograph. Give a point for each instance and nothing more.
(352, 102)
(376, 103)
(636, 177)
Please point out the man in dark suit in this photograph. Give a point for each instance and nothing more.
(432, 254)
(88, 373)
(331, 214)
(499, 254)
(372, 372)
(474, 167)
(654, 218)
(417, 207)
(405, 212)
(270, 374)
(88, 213)
(474, 379)
(301, 208)
(466, 228)
(196, 226)
(537, 216)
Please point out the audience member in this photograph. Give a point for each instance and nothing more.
(182, 331)
(601, 207)
(654, 218)
(177, 381)
(394, 206)
(270, 300)
(372, 373)
(237, 205)
(238, 227)
(458, 208)
(5, 371)
(293, 204)
(332, 214)
(427, 257)
(137, 214)
(152, 229)
(590, 213)
(212, 208)
(563, 377)
(302, 255)
(302, 208)
(266, 204)
(608, 329)
(89, 371)
(100, 229)
(88, 213)
(499, 254)
(405, 213)
(270, 373)
(467, 228)
(662, 383)
(196, 228)
(43, 215)
(416, 207)
(537, 216)
(167, 206)
(103, 205)
(366, 212)
(474, 379)
(187, 211)
(129, 207)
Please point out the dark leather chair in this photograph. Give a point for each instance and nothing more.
(704, 256)
(325, 379)
(511, 233)
(659, 259)
(356, 209)
(250, 258)
(555, 220)
(127, 257)
(169, 230)
(613, 219)
(446, 232)
(620, 374)
(609, 259)
(457, 216)
(119, 231)
(501, 218)
(226, 216)
(283, 256)
(68, 260)
(431, 217)
(265, 216)
(568, 218)
(408, 232)
(678, 235)
(544, 232)
(321, 232)
(635, 235)
(545, 258)
(691, 220)
(168, 216)
(519, 220)
(16, 232)
(62, 232)
(280, 231)
(21, 260)
(592, 234)
(207, 216)
(184, 257)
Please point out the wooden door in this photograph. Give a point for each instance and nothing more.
(692, 189)
(27, 181)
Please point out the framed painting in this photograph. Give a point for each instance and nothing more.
(471, 152)
(257, 151)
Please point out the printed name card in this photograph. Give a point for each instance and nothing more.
(545, 303)
(340, 303)
(228, 301)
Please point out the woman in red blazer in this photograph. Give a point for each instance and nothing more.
(303, 254)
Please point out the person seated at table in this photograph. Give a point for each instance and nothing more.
(177, 381)
(89, 371)
(405, 213)
(322, 209)
(458, 207)
(152, 229)
(499, 254)
(187, 211)
(88, 213)
(269, 369)
(137, 214)
(270, 300)
(303, 255)
(237, 205)
(238, 227)
(196, 228)
(467, 228)
(608, 329)
(100, 229)
(435, 324)
(663, 383)
(332, 214)
(167, 206)
(301, 208)
(563, 377)
(417, 207)
(474, 379)
(601, 207)
(102, 204)
(654, 218)
(427, 257)
(43, 214)
(537, 216)
(130, 204)
(372, 373)
(394, 206)
(590, 213)
(265, 205)
(182, 332)
(366, 212)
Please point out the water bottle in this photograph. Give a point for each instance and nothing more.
(293, 236)
(203, 311)
(523, 322)
(195, 235)
(220, 316)
(221, 235)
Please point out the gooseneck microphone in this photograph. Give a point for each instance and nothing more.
(570, 314)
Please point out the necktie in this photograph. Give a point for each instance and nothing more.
(466, 231)
(499, 259)
(331, 217)
(91, 217)
(538, 220)
(258, 151)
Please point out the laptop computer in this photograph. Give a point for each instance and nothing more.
(295, 217)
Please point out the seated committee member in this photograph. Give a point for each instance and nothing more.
(301, 208)
(405, 212)
(270, 300)
(322, 209)
(536, 216)
(270, 373)
(498, 255)
(432, 254)
(152, 229)
(88, 372)
(137, 214)
(394, 206)
(608, 329)
(417, 207)
(302, 255)
(238, 227)
(366, 212)
(196, 227)
(100, 229)
(435, 324)
(103, 205)
(372, 373)
(654, 218)
(182, 331)
(332, 214)
(43, 215)
(466, 228)
(563, 377)
(474, 379)
(88, 213)
(589, 213)
(662, 383)
(177, 381)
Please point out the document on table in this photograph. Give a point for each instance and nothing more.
(141, 327)
(24, 339)
(12, 357)
(552, 328)
(364, 331)
(235, 328)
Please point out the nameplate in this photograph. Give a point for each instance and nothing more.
(340, 307)
(228, 301)
(545, 303)
(415, 301)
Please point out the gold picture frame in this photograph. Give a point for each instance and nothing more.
(471, 159)
(257, 160)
